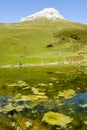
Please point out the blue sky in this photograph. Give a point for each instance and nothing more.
(14, 10)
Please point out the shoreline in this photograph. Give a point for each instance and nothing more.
(39, 64)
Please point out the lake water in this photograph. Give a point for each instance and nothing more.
(44, 99)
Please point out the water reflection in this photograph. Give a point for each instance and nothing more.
(77, 103)
(75, 108)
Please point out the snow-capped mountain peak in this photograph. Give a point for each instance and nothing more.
(49, 13)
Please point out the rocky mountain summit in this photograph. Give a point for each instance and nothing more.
(49, 13)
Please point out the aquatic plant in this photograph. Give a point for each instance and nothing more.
(28, 124)
(58, 119)
(36, 91)
(20, 84)
(83, 105)
(67, 93)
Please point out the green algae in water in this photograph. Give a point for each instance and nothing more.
(57, 119)
(35, 93)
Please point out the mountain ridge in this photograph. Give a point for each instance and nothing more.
(49, 13)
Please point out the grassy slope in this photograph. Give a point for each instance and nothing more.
(29, 42)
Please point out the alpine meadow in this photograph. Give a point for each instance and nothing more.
(42, 40)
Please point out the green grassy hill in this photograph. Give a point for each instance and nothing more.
(41, 41)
